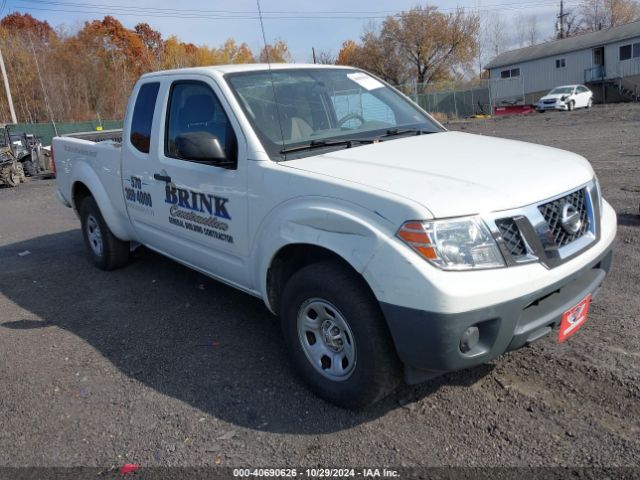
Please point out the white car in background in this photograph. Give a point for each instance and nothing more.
(568, 97)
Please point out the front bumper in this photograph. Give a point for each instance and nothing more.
(552, 106)
(429, 342)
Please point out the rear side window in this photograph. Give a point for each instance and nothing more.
(143, 116)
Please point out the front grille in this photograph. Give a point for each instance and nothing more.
(552, 213)
(511, 236)
(549, 102)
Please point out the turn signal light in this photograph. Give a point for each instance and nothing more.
(414, 234)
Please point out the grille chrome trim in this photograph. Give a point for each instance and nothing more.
(537, 235)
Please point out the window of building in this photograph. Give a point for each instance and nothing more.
(514, 72)
(561, 63)
(636, 50)
(143, 116)
(625, 52)
(195, 109)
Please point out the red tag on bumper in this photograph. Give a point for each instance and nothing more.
(574, 318)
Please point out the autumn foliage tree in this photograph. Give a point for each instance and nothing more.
(89, 73)
(421, 45)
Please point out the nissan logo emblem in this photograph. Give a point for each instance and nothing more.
(570, 219)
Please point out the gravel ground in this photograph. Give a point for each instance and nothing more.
(158, 365)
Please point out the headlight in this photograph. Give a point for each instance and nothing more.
(455, 244)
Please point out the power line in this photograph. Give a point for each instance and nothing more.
(246, 15)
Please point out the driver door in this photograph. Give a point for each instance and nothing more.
(199, 208)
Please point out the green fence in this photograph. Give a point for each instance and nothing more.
(47, 132)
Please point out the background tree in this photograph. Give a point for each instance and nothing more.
(276, 53)
(91, 71)
(599, 14)
(420, 45)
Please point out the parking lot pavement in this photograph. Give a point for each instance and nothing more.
(158, 365)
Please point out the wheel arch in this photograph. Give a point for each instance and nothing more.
(86, 183)
(293, 257)
(308, 229)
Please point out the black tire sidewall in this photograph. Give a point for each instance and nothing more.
(377, 367)
(29, 167)
(89, 207)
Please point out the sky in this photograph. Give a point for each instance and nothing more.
(319, 24)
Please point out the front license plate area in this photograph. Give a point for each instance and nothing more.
(574, 318)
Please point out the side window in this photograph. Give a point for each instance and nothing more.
(636, 50)
(625, 52)
(195, 112)
(143, 116)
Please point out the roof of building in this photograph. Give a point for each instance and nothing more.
(566, 45)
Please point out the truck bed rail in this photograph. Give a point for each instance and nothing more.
(101, 136)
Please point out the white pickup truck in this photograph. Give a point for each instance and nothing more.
(386, 244)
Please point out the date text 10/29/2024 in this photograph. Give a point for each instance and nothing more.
(315, 473)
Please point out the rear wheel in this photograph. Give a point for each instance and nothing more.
(105, 249)
(337, 336)
(590, 103)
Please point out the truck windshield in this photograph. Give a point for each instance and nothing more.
(293, 108)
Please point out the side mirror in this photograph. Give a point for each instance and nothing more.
(203, 147)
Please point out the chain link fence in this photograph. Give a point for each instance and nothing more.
(47, 130)
(451, 99)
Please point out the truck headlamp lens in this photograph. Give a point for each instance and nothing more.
(454, 244)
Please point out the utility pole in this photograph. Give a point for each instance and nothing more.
(313, 52)
(561, 33)
(8, 90)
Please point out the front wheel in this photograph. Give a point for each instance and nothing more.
(106, 251)
(337, 337)
(10, 175)
(571, 106)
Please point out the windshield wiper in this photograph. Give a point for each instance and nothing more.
(327, 143)
(403, 131)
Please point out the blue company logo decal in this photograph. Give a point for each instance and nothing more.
(197, 201)
(186, 205)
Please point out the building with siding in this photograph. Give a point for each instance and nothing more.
(607, 61)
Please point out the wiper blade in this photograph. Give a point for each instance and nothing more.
(327, 143)
(403, 131)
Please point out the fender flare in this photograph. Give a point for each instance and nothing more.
(85, 175)
(350, 231)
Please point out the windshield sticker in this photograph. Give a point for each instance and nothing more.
(186, 207)
(365, 81)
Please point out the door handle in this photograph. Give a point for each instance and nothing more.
(162, 178)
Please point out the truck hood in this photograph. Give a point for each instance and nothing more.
(454, 173)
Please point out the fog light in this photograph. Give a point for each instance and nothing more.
(469, 339)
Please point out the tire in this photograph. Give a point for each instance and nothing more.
(571, 106)
(10, 175)
(340, 299)
(590, 103)
(29, 167)
(106, 251)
